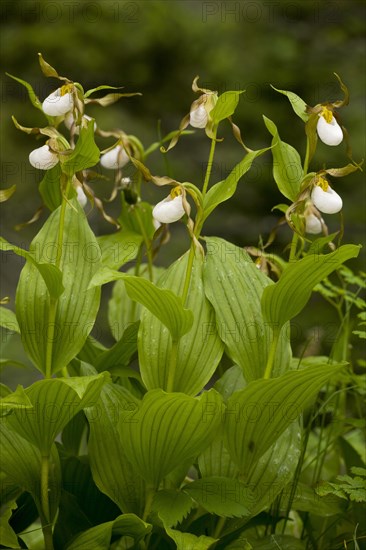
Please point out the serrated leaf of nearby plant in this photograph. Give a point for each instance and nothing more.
(187, 541)
(172, 506)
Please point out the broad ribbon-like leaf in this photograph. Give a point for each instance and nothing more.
(54, 331)
(119, 248)
(169, 429)
(99, 537)
(163, 303)
(51, 275)
(8, 319)
(286, 298)
(257, 415)
(234, 286)
(54, 402)
(198, 352)
(21, 461)
(114, 474)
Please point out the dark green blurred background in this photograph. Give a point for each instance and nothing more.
(157, 48)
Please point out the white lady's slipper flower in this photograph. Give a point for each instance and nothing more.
(198, 117)
(69, 121)
(81, 197)
(325, 198)
(313, 224)
(115, 158)
(59, 102)
(328, 128)
(43, 158)
(169, 210)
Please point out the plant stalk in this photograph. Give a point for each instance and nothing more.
(46, 522)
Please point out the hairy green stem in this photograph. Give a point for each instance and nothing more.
(172, 366)
(53, 301)
(147, 244)
(307, 155)
(210, 162)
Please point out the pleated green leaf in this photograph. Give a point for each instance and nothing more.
(224, 190)
(234, 286)
(120, 354)
(162, 303)
(119, 248)
(54, 402)
(8, 319)
(169, 429)
(113, 473)
(287, 168)
(53, 331)
(49, 188)
(8, 537)
(15, 400)
(285, 299)
(122, 311)
(50, 274)
(222, 496)
(21, 461)
(99, 537)
(274, 470)
(215, 461)
(187, 541)
(85, 155)
(199, 351)
(225, 105)
(257, 415)
(172, 506)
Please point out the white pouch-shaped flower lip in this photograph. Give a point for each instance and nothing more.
(329, 133)
(81, 197)
(57, 103)
(328, 202)
(169, 210)
(198, 117)
(42, 158)
(313, 224)
(115, 158)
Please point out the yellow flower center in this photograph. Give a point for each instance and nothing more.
(175, 192)
(327, 114)
(323, 183)
(66, 89)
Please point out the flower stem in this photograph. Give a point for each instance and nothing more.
(307, 154)
(172, 366)
(210, 162)
(272, 354)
